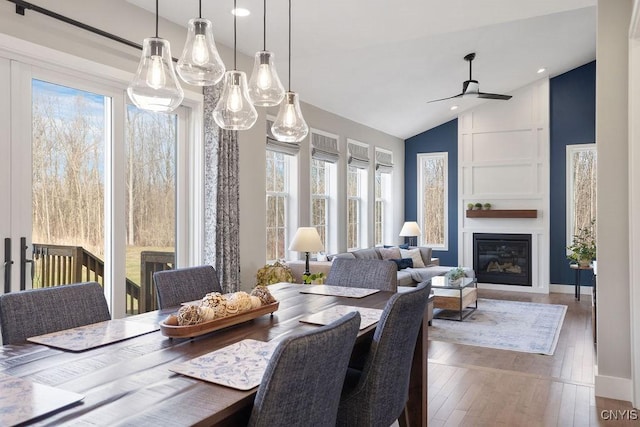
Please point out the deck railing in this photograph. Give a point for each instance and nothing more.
(55, 265)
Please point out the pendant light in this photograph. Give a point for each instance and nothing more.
(265, 88)
(289, 125)
(234, 110)
(200, 63)
(155, 86)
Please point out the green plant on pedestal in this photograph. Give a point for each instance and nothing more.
(583, 248)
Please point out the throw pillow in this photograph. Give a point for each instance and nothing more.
(404, 246)
(415, 255)
(390, 253)
(403, 263)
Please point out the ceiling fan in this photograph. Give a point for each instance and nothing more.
(471, 88)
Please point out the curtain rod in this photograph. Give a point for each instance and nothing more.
(22, 5)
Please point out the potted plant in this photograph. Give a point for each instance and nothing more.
(487, 206)
(308, 279)
(455, 275)
(478, 206)
(469, 206)
(274, 273)
(583, 248)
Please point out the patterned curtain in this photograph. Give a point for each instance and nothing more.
(222, 194)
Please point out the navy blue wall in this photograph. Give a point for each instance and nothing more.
(439, 139)
(573, 121)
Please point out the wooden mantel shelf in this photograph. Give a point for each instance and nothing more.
(503, 213)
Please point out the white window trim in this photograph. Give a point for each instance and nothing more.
(570, 150)
(420, 157)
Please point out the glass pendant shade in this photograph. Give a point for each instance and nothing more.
(234, 110)
(155, 86)
(200, 63)
(265, 88)
(289, 125)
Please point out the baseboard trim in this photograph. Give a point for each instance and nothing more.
(614, 388)
(569, 289)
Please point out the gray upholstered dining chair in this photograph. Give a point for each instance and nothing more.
(302, 383)
(363, 273)
(377, 395)
(173, 287)
(35, 312)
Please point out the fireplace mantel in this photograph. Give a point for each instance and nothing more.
(502, 213)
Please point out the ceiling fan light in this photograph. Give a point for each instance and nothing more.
(289, 125)
(234, 110)
(155, 86)
(265, 87)
(200, 63)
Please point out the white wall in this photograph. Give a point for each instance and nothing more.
(503, 159)
(613, 377)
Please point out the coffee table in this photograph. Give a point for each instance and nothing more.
(460, 300)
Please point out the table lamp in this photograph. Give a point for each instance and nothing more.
(306, 240)
(410, 229)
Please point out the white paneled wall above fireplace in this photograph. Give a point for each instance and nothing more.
(503, 158)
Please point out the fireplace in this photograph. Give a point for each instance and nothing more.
(502, 258)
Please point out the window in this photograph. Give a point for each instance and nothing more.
(358, 164)
(320, 198)
(432, 199)
(277, 169)
(382, 189)
(353, 208)
(581, 187)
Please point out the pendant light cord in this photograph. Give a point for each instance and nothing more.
(289, 45)
(157, 18)
(235, 18)
(264, 25)
(200, 9)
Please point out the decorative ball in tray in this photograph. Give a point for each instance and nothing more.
(216, 311)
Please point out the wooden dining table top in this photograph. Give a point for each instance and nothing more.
(129, 382)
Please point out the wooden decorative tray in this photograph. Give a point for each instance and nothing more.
(213, 325)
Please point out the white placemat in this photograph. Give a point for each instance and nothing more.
(94, 335)
(338, 291)
(22, 400)
(368, 316)
(240, 365)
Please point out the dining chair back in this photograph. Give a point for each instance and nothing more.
(364, 273)
(377, 395)
(173, 287)
(35, 312)
(302, 383)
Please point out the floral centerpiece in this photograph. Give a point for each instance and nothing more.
(583, 248)
(274, 273)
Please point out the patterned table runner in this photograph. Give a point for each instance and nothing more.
(368, 316)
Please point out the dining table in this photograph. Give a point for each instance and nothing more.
(129, 382)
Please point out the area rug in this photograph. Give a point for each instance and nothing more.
(507, 325)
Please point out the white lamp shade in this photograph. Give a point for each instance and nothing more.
(306, 239)
(410, 229)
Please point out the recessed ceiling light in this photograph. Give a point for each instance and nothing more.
(454, 107)
(240, 11)
(541, 70)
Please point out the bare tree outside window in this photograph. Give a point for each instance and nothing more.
(277, 193)
(381, 188)
(320, 198)
(432, 197)
(353, 208)
(581, 197)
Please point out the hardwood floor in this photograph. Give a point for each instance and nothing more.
(476, 386)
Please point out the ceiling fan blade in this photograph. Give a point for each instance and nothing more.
(444, 99)
(494, 96)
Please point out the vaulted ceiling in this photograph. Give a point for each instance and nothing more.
(378, 62)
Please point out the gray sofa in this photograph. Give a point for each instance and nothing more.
(406, 276)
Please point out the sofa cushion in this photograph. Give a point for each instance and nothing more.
(426, 254)
(415, 255)
(403, 263)
(369, 253)
(390, 253)
(348, 255)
